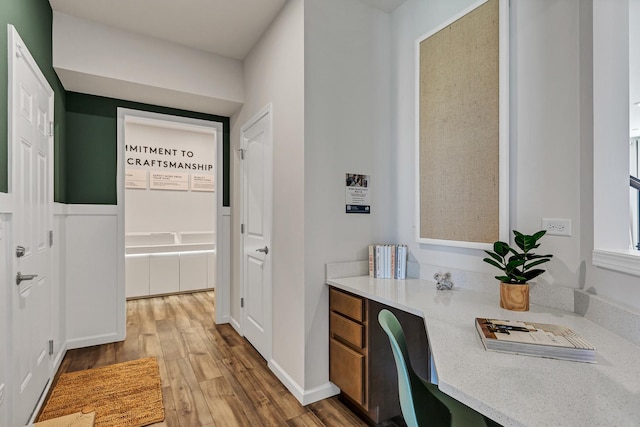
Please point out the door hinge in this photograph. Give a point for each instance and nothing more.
(50, 347)
(51, 128)
(241, 228)
(241, 302)
(50, 238)
(241, 151)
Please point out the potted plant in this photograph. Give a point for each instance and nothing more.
(518, 268)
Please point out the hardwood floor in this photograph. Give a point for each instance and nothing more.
(210, 375)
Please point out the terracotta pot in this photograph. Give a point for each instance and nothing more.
(514, 297)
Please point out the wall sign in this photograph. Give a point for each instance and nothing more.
(136, 178)
(202, 182)
(357, 194)
(167, 158)
(178, 181)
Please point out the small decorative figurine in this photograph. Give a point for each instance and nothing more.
(443, 281)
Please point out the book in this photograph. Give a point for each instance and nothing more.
(388, 261)
(392, 268)
(402, 270)
(534, 339)
(371, 261)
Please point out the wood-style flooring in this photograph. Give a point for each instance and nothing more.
(211, 376)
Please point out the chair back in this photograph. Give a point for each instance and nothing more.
(419, 407)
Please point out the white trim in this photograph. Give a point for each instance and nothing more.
(235, 325)
(89, 210)
(503, 173)
(191, 125)
(267, 110)
(6, 203)
(94, 340)
(125, 115)
(305, 397)
(60, 209)
(623, 261)
(611, 235)
(57, 360)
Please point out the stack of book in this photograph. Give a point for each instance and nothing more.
(534, 339)
(388, 261)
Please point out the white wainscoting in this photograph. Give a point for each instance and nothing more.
(223, 274)
(59, 272)
(95, 292)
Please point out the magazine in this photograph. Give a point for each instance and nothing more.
(534, 339)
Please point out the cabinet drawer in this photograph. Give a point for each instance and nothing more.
(346, 370)
(349, 305)
(347, 329)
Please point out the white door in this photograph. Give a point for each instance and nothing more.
(31, 118)
(257, 147)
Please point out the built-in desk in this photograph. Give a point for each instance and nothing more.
(511, 389)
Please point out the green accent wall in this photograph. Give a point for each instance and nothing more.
(91, 146)
(32, 19)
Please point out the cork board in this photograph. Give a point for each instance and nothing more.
(459, 129)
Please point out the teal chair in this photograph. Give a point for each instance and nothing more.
(422, 403)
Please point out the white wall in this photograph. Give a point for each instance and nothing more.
(544, 127)
(609, 183)
(100, 60)
(551, 138)
(409, 22)
(274, 73)
(152, 210)
(347, 130)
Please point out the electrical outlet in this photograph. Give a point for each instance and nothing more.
(1, 394)
(557, 226)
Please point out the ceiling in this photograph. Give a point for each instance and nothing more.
(222, 27)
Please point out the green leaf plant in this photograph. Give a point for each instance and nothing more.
(518, 266)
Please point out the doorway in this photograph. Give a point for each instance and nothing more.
(171, 202)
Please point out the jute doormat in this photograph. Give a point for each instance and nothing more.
(79, 419)
(126, 394)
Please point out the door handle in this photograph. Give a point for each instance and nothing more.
(265, 250)
(22, 277)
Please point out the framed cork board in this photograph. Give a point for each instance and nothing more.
(462, 129)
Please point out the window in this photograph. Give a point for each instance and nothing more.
(611, 125)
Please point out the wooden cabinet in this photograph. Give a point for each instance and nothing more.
(360, 358)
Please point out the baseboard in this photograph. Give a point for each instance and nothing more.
(57, 361)
(94, 340)
(234, 324)
(305, 397)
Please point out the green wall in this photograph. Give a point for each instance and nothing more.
(85, 126)
(91, 146)
(32, 19)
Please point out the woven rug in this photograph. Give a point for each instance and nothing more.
(126, 394)
(79, 419)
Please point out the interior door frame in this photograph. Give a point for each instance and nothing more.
(265, 111)
(15, 43)
(122, 114)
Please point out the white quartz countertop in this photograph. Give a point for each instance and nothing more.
(511, 389)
